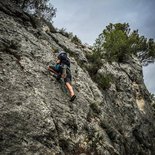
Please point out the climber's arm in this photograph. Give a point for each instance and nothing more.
(64, 73)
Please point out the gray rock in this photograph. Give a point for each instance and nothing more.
(36, 115)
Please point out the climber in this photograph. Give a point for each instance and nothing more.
(62, 70)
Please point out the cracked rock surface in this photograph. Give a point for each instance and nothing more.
(36, 116)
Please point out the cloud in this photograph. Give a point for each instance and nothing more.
(88, 18)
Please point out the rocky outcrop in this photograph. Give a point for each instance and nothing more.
(36, 115)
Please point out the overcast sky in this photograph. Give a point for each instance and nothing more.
(87, 19)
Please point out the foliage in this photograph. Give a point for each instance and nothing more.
(41, 8)
(95, 61)
(104, 81)
(63, 32)
(151, 49)
(118, 42)
(70, 35)
(76, 40)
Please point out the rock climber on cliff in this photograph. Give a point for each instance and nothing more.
(62, 70)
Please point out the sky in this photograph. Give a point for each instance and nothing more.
(88, 18)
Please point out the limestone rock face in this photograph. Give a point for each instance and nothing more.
(36, 116)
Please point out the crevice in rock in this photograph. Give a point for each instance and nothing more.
(13, 53)
(126, 73)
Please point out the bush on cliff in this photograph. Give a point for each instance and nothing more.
(41, 8)
(118, 42)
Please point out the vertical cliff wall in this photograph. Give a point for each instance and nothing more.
(36, 116)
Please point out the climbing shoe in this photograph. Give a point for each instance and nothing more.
(72, 98)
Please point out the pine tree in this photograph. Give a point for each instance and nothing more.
(118, 42)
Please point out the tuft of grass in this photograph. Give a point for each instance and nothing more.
(76, 40)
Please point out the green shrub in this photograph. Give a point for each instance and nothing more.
(64, 32)
(76, 40)
(104, 81)
(95, 58)
(95, 61)
(118, 43)
(92, 69)
(42, 8)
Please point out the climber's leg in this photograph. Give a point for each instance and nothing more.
(69, 87)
